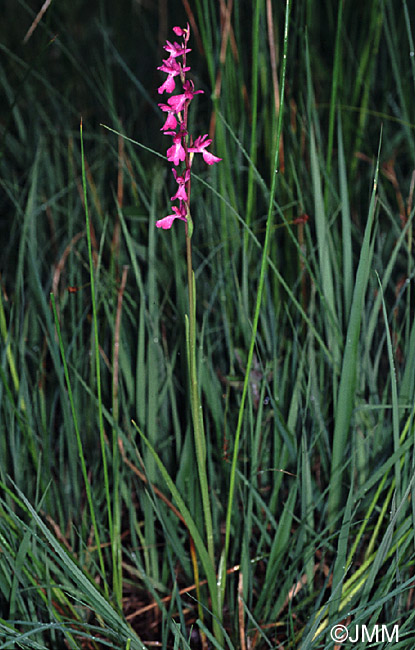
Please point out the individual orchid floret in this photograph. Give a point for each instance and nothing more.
(200, 145)
(174, 49)
(181, 181)
(182, 31)
(176, 153)
(178, 213)
(168, 86)
(171, 121)
(177, 102)
(172, 68)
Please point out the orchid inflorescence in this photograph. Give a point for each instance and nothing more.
(177, 107)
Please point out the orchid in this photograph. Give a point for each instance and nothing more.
(176, 153)
(175, 49)
(168, 86)
(182, 151)
(171, 121)
(178, 213)
(183, 148)
(178, 101)
(181, 181)
(172, 71)
(171, 66)
(200, 145)
(180, 31)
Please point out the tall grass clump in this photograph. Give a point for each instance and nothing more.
(207, 434)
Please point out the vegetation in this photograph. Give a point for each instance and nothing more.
(305, 324)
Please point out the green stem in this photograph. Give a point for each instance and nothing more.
(198, 428)
(197, 414)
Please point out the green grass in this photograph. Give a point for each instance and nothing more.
(305, 330)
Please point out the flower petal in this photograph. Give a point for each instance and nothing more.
(209, 158)
(167, 222)
(168, 86)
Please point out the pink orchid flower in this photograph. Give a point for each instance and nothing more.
(178, 213)
(168, 86)
(181, 181)
(174, 49)
(181, 31)
(177, 102)
(200, 145)
(171, 121)
(172, 68)
(176, 152)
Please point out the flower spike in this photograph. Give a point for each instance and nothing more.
(175, 125)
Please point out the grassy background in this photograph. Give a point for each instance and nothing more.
(93, 552)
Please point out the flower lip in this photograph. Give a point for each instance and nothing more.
(209, 158)
(178, 213)
(176, 152)
(168, 86)
(171, 121)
